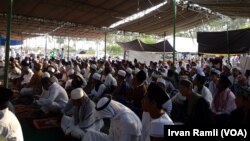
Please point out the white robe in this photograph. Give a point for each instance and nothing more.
(86, 74)
(206, 94)
(83, 119)
(213, 88)
(10, 127)
(124, 126)
(68, 83)
(15, 73)
(56, 100)
(27, 77)
(110, 80)
(99, 92)
(54, 79)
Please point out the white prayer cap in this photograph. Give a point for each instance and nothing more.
(194, 67)
(93, 66)
(51, 69)
(136, 70)
(215, 72)
(200, 71)
(184, 77)
(164, 74)
(129, 70)
(96, 76)
(103, 103)
(155, 75)
(227, 66)
(77, 93)
(161, 80)
(36, 60)
(46, 75)
(55, 65)
(62, 68)
(70, 72)
(78, 75)
(122, 73)
(238, 68)
(83, 71)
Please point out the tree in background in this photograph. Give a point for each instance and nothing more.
(60, 41)
(216, 25)
(90, 51)
(148, 40)
(114, 50)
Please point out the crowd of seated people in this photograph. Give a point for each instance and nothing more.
(137, 98)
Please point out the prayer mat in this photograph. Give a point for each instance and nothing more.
(26, 111)
(24, 100)
(46, 123)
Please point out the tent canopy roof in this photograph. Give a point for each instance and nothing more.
(231, 8)
(161, 21)
(88, 17)
(94, 13)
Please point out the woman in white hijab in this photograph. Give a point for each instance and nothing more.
(124, 126)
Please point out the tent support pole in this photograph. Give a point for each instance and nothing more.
(174, 28)
(68, 48)
(124, 54)
(46, 47)
(164, 46)
(228, 47)
(7, 50)
(21, 45)
(105, 46)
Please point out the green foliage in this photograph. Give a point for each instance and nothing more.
(90, 51)
(83, 52)
(71, 49)
(148, 40)
(246, 25)
(114, 49)
(60, 40)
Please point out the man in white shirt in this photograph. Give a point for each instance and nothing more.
(10, 127)
(110, 82)
(28, 73)
(129, 76)
(215, 76)
(51, 71)
(234, 79)
(154, 117)
(99, 88)
(83, 117)
(201, 89)
(57, 97)
(14, 72)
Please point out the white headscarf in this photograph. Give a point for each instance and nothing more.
(121, 117)
(112, 110)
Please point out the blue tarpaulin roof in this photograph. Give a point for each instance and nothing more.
(12, 42)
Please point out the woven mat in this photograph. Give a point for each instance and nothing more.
(25, 111)
(46, 123)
